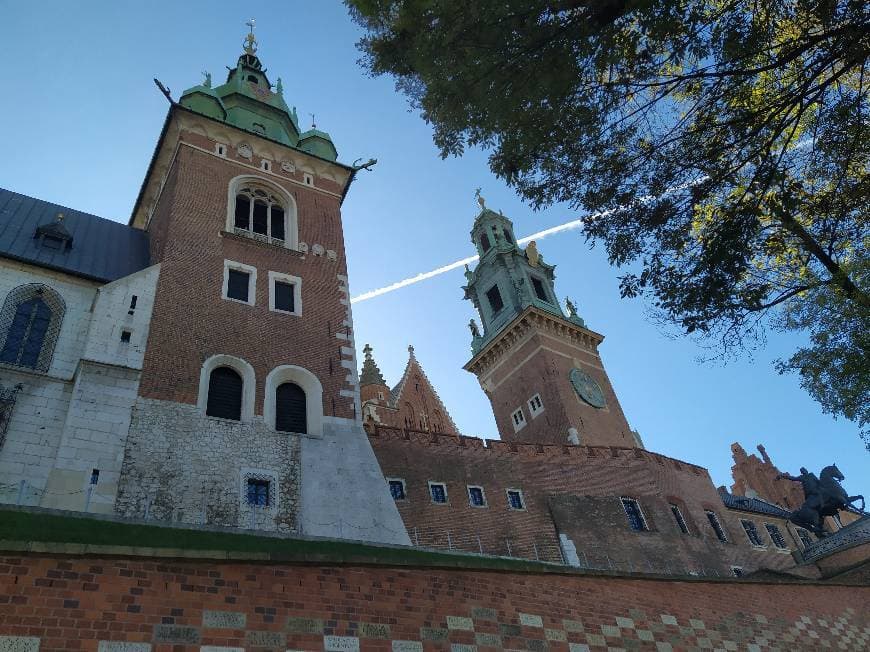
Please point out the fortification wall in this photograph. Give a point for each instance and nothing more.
(572, 491)
(54, 603)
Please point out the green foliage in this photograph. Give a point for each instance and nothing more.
(731, 137)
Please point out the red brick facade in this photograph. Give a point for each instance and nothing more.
(191, 321)
(74, 603)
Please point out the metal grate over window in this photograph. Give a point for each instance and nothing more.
(515, 499)
(678, 517)
(636, 521)
(7, 405)
(776, 536)
(397, 489)
(258, 493)
(30, 322)
(804, 536)
(752, 533)
(438, 492)
(717, 527)
(476, 497)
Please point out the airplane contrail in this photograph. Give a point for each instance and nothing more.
(567, 226)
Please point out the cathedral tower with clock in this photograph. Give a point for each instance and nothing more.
(539, 367)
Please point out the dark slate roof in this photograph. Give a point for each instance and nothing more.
(101, 250)
(753, 505)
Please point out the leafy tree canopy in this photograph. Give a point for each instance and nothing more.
(731, 135)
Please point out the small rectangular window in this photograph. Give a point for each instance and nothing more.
(284, 296)
(476, 497)
(237, 285)
(494, 298)
(95, 476)
(125, 336)
(717, 527)
(307, 179)
(519, 419)
(133, 301)
(515, 499)
(776, 536)
(536, 406)
(539, 289)
(258, 493)
(397, 489)
(438, 491)
(636, 520)
(751, 533)
(678, 517)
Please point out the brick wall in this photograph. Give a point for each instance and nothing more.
(572, 491)
(113, 604)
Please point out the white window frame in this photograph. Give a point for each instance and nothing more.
(404, 489)
(308, 179)
(535, 412)
(622, 501)
(252, 281)
(446, 495)
(724, 539)
(296, 282)
(522, 423)
(675, 506)
(288, 203)
(220, 149)
(468, 489)
(507, 493)
(266, 165)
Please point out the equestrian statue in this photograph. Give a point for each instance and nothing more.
(824, 497)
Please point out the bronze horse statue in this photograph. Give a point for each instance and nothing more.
(824, 497)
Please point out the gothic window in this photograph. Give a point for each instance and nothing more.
(409, 417)
(636, 520)
(260, 212)
(29, 326)
(678, 517)
(494, 298)
(751, 533)
(776, 536)
(224, 394)
(290, 408)
(717, 527)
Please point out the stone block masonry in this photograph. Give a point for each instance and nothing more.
(55, 603)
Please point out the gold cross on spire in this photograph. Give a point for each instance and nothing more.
(250, 41)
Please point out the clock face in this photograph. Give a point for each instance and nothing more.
(587, 388)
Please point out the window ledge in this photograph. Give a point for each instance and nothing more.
(225, 420)
(276, 244)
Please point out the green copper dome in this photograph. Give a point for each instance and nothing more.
(247, 101)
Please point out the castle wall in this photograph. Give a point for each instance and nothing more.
(121, 603)
(572, 509)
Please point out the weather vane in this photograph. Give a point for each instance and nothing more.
(250, 42)
(313, 125)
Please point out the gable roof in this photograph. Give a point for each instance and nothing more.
(411, 368)
(101, 250)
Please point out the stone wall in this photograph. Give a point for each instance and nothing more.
(121, 603)
(183, 466)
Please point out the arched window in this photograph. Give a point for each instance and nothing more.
(29, 326)
(225, 394)
(290, 408)
(261, 212)
(484, 242)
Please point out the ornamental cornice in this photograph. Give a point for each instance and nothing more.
(531, 319)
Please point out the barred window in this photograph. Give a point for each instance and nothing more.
(438, 491)
(290, 408)
(804, 536)
(636, 520)
(717, 527)
(751, 533)
(397, 489)
(776, 536)
(224, 394)
(29, 326)
(258, 492)
(476, 497)
(678, 517)
(515, 499)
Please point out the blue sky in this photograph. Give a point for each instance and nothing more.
(81, 116)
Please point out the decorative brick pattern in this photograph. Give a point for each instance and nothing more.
(53, 604)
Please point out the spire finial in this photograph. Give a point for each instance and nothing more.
(480, 199)
(313, 123)
(367, 351)
(411, 350)
(250, 42)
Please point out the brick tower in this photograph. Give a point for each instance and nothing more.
(540, 368)
(248, 411)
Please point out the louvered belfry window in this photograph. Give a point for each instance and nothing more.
(224, 394)
(290, 408)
